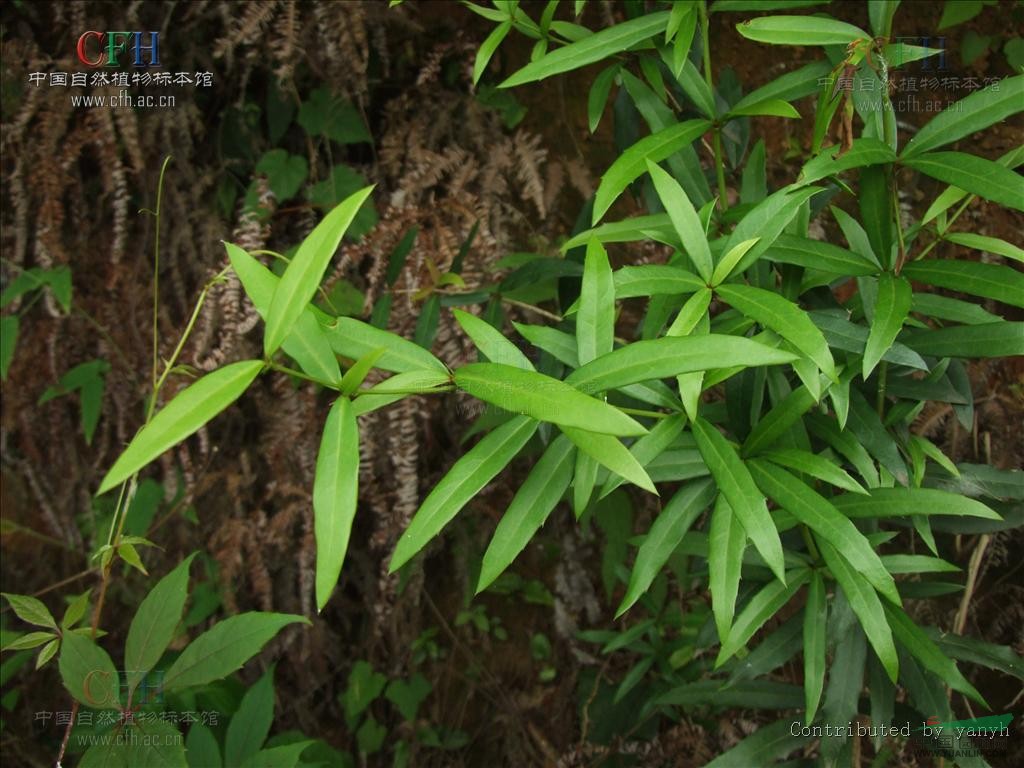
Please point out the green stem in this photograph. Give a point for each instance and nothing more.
(883, 370)
(949, 224)
(809, 541)
(642, 412)
(723, 197)
(300, 375)
(156, 270)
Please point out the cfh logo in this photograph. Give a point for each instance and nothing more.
(101, 49)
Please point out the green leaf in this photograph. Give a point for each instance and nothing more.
(408, 695)
(323, 114)
(201, 748)
(958, 11)
(251, 722)
(609, 452)
(595, 320)
(891, 309)
(657, 227)
(993, 281)
(988, 244)
(727, 265)
(143, 744)
(735, 483)
(684, 218)
(464, 480)
(182, 417)
(766, 221)
(833, 160)
(302, 277)
(353, 338)
(973, 174)
(761, 607)
(954, 310)
(341, 182)
(488, 47)
(788, 87)
(88, 673)
(917, 564)
(633, 162)
(785, 318)
(358, 372)
(225, 647)
(971, 114)
(815, 638)
(800, 30)
(989, 340)
(670, 356)
(654, 280)
(998, 657)
(533, 502)
(596, 47)
(31, 610)
(8, 341)
(29, 641)
(696, 89)
(285, 173)
(727, 540)
(598, 95)
(667, 531)
(778, 420)
(865, 603)
(492, 342)
(307, 342)
(335, 493)
(284, 756)
(915, 640)
(558, 344)
(154, 625)
(76, 610)
(364, 686)
(850, 337)
(650, 446)
(817, 513)
(846, 681)
(887, 502)
(762, 5)
(543, 398)
(772, 107)
(769, 742)
(815, 466)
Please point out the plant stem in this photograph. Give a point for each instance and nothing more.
(156, 270)
(723, 197)
(883, 370)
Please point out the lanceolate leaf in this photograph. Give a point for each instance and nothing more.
(783, 317)
(595, 320)
(989, 340)
(800, 30)
(654, 280)
(544, 398)
(609, 452)
(464, 480)
(182, 417)
(766, 221)
(599, 95)
(815, 466)
(335, 492)
(886, 502)
(306, 342)
(973, 174)
(598, 46)
(865, 603)
(735, 483)
(301, 278)
(353, 338)
(891, 309)
(815, 254)
(670, 356)
(530, 507)
(758, 610)
(832, 160)
(993, 281)
(815, 511)
(251, 723)
(990, 244)
(218, 652)
(650, 446)
(488, 47)
(666, 532)
(684, 218)
(633, 162)
(815, 623)
(916, 640)
(969, 115)
(155, 622)
(492, 342)
(726, 541)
